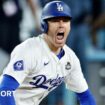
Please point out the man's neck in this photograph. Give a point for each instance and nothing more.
(52, 47)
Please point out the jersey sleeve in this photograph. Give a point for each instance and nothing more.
(75, 81)
(20, 64)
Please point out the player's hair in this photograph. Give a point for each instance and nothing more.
(54, 9)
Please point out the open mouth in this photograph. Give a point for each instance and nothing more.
(60, 35)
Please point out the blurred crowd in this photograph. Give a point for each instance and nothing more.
(20, 19)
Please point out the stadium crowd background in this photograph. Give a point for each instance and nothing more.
(20, 19)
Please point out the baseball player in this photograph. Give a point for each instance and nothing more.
(40, 64)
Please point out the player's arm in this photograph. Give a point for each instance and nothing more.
(7, 86)
(16, 71)
(76, 82)
(86, 98)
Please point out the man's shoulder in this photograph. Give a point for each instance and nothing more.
(31, 42)
(69, 51)
(29, 45)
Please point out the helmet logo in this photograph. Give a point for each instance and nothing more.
(59, 7)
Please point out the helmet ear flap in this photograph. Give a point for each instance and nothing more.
(44, 26)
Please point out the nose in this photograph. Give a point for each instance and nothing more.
(61, 22)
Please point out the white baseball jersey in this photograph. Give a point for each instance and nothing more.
(38, 71)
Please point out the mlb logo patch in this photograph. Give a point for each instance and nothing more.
(18, 66)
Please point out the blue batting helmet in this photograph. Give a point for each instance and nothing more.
(54, 9)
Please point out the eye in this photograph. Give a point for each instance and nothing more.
(57, 19)
(66, 19)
